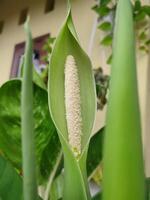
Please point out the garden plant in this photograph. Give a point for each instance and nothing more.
(48, 150)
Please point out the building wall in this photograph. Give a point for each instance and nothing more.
(40, 24)
(84, 19)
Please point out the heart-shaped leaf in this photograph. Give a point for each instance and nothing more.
(47, 143)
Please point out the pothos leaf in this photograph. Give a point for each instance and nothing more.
(47, 142)
(95, 151)
(9, 180)
(148, 188)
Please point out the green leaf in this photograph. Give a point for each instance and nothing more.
(10, 182)
(107, 40)
(147, 188)
(146, 9)
(139, 16)
(143, 48)
(66, 44)
(95, 151)
(47, 142)
(104, 2)
(137, 5)
(109, 60)
(97, 197)
(123, 174)
(51, 40)
(37, 79)
(147, 42)
(143, 36)
(105, 26)
(102, 10)
(49, 156)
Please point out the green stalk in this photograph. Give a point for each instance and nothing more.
(123, 159)
(28, 149)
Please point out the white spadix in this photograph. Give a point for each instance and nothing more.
(73, 105)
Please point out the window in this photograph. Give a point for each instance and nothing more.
(1, 26)
(38, 54)
(49, 5)
(23, 16)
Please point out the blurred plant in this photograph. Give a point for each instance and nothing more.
(102, 85)
(47, 47)
(106, 11)
(97, 175)
(47, 146)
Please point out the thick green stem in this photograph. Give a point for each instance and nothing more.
(76, 183)
(123, 160)
(28, 150)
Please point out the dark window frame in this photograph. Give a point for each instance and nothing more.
(19, 50)
(2, 23)
(50, 5)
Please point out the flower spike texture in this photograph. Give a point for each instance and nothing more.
(73, 105)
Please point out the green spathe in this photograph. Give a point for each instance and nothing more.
(76, 185)
(123, 160)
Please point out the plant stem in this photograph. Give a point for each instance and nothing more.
(29, 168)
(123, 174)
(51, 177)
(91, 42)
